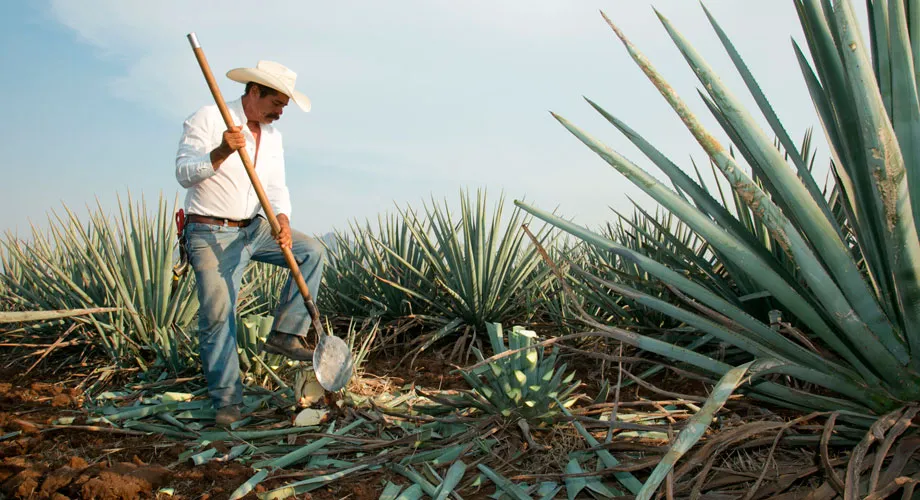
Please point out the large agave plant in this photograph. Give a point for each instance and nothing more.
(843, 270)
(454, 271)
(478, 270)
(371, 267)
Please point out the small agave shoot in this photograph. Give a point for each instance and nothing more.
(523, 383)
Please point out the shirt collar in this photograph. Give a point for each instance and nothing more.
(236, 111)
(239, 116)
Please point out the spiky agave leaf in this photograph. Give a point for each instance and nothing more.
(371, 268)
(479, 268)
(860, 302)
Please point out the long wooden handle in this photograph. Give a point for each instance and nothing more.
(263, 199)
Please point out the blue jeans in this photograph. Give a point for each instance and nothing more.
(219, 255)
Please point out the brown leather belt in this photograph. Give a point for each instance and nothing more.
(203, 219)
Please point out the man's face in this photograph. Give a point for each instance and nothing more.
(270, 107)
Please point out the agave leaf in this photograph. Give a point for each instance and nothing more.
(18, 317)
(442, 332)
(503, 483)
(914, 27)
(837, 108)
(413, 492)
(840, 384)
(773, 340)
(718, 281)
(391, 491)
(204, 456)
(414, 476)
(574, 485)
(822, 234)
(302, 452)
(243, 489)
(477, 269)
(495, 337)
(600, 488)
(695, 428)
(878, 35)
(300, 487)
(627, 479)
(548, 490)
(885, 161)
(675, 352)
(805, 208)
(451, 480)
(699, 195)
(904, 100)
(734, 249)
(775, 124)
(603, 393)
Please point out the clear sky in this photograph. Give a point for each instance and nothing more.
(411, 98)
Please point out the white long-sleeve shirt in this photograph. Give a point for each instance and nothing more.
(227, 192)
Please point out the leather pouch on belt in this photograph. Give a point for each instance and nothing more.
(182, 266)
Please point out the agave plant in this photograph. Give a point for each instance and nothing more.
(849, 288)
(479, 271)
(369, 271)
(525, 383)
(252, 331)
(260, 290)
(125, 264)
(841, 270)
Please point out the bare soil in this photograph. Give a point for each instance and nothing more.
(43, 462)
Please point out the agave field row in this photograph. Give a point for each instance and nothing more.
(450, 272)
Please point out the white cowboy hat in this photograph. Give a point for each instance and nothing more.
(273, 75)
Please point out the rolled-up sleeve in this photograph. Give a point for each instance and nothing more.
(193, 160)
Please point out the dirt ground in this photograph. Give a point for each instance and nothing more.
(42, 462)
(65, 463)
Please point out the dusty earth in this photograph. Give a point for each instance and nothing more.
(63, 463)
(42, 462)
(39, 461)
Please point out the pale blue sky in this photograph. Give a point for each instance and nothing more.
(411, 98)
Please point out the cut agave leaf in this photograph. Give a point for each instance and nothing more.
(413, 492)
(249, 485)
(391, 491)
(548, 490)
(504, 484)
(574, 485)
(695, 428)
(451, 480)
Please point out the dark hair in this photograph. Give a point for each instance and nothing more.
(263, 90)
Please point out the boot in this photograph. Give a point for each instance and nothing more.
(227, 415)
(291, 346)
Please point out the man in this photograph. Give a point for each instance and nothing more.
(224, 229)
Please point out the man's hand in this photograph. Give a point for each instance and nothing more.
(232, 141)
(284, 237)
